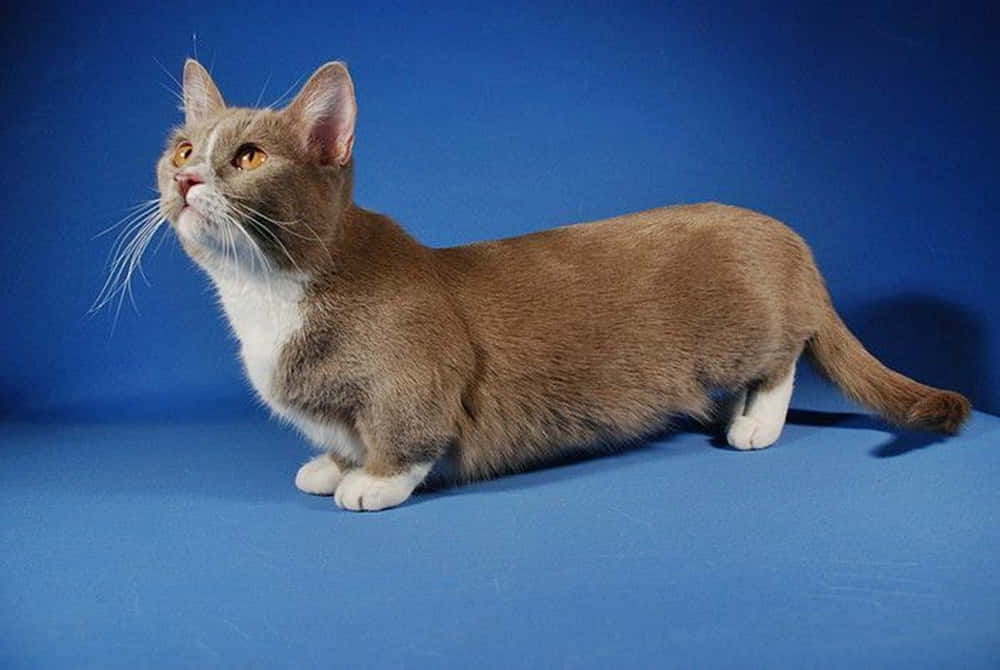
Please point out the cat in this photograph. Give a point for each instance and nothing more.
(474, 361)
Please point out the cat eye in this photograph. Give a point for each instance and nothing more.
(249, 157)
(182, 153)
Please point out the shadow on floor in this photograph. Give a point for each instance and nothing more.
(664, 444)
(901, 441)
(931, 340)
(584, 462)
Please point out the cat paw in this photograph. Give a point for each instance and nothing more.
(747, 432)
(320, 476)
(362, 492)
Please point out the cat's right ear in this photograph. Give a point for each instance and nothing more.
(324, 113)
(201, 97)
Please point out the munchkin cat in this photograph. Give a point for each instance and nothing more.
(398, 360)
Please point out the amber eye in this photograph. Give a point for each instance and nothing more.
(249, 157)
(182, 153)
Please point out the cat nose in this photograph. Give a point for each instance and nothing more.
(185, 180)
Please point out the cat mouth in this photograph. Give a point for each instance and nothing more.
(190, 215)
(192, 210)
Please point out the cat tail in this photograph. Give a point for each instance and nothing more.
(864, 378)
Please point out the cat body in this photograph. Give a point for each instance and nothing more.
(397, 360)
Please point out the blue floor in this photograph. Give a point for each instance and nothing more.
(186, 545)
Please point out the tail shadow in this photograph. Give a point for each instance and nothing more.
(901, 442)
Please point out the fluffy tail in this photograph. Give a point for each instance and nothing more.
(866, 380)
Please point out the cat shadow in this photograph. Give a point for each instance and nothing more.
(579, 463)
(901, 441)
(588, 462)
(931, 340)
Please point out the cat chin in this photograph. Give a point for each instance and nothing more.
(193, 229)
(190, 222)
(204, 242)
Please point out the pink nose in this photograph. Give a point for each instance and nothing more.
(185, 180)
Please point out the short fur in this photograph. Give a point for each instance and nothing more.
(485, 358)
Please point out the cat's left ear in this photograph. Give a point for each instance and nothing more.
(324, 113)
(201, 96)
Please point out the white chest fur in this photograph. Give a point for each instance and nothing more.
(264, 315)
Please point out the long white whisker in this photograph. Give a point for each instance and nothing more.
(178, 96)
(135, 263)
(284, 95)
(261, 95)
(247, 210)
(119, 261)
(179, 92)
(265, 217)
(287, 225)
(172, 77)
(258, 225)
(135, 212)
(231, 245)
(126, 258)
(254, 215)
(127, 237)
(281, 246)
(255, 251)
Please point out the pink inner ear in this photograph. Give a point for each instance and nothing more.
(331, 128)
(328, 136)
(325, 111)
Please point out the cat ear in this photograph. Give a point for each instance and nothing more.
(324, 113)
(201, 97)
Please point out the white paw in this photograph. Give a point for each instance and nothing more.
(360, 491)
(320, 476)
(749, 433)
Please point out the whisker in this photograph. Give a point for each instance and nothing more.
(260, 216)
(256, 253)
(262, 228)
(261, 95)
(180, 98)
(123, 238)
(126, 258)
(284, 95)
(133, 212)
(180, 86)
(230, 245)
(253, 214)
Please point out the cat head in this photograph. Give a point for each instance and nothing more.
(259, 189)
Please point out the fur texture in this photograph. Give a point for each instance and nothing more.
(395, 358)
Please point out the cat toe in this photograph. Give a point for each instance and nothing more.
(362, 492)
(747, 433)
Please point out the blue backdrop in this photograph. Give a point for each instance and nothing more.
(147, 512)
(871, 130)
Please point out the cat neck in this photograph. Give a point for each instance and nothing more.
(264, 311)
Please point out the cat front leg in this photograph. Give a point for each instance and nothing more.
(362, 490)
(321, 475)
(400, 451)
(344, 452)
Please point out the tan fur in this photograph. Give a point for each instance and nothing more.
(497, 355)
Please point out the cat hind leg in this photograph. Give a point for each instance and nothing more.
(758, 420)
